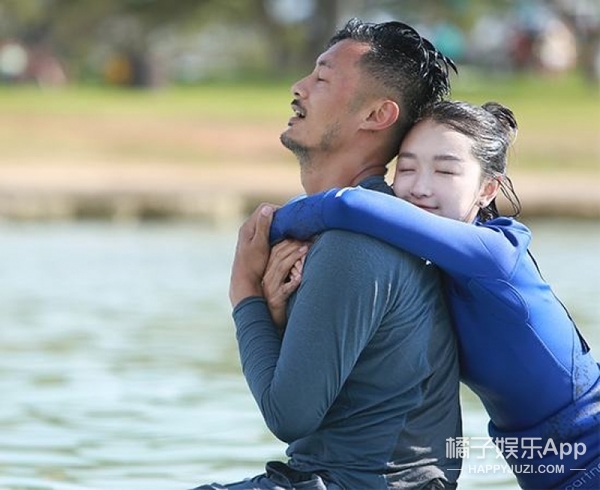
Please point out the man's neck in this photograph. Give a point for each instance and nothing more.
(320, 177)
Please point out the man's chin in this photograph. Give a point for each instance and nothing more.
(300, 151)
(290, 143)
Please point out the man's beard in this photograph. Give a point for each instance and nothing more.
(303, 152)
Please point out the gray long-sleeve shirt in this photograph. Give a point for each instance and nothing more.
(364, 384)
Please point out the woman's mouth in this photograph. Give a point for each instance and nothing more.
(430, 209)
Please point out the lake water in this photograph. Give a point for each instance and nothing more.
(118, 363)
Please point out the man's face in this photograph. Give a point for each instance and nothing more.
(326, 102)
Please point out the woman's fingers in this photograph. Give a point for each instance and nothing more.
(283, 258)
(283, 275)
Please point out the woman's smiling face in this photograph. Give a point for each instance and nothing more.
(437, 172)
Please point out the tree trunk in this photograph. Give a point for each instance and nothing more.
(320, 29)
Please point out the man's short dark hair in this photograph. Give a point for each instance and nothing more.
(407, 66)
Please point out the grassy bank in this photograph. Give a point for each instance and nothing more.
(89, 151)
(559, 121)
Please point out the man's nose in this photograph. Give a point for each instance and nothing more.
(298, 88)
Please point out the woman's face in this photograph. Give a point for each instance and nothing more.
(437, 172)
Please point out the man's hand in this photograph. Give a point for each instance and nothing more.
(251, 255)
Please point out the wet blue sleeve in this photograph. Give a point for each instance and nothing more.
(492, 249)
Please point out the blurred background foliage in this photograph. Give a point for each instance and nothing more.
(151, 43)
(205, 85)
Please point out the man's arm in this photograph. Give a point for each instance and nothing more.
(334, 314)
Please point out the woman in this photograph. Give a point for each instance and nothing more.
(520, 351)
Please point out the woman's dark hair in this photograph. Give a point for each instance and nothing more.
(407, 65)
(492, 128)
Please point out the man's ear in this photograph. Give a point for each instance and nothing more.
(382, 116)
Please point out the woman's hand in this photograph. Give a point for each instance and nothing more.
(282, 277)
(251, 255)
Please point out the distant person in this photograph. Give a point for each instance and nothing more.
(520, 351)
(364, 384)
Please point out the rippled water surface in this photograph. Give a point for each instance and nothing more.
(118, 363)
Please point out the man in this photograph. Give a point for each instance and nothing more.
(364, 383)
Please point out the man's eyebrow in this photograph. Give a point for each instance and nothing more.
(325, 63)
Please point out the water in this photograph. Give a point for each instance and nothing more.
(118, 364)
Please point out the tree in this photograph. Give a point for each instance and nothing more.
(74, 28)
(583, 18)
(294, 46)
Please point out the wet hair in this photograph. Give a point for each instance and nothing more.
(412, 71)
(492, 129)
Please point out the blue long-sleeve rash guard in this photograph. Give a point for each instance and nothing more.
(520, 351)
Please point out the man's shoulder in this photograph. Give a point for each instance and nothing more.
(349, 238)
(343, 245)
(345, 254)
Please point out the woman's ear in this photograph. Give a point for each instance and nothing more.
(382, 116)
(489, 190)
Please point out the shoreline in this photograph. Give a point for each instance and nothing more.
(223, 193)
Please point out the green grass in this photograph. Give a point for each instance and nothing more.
(547, 102)
(225, 102)
(559, 118)
(231, 98)
(543, 100)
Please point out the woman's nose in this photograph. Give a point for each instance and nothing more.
(421, 186)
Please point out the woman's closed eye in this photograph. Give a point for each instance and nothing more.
(448, 167)
(403, 169)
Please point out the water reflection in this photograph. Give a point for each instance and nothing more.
(118, 364)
